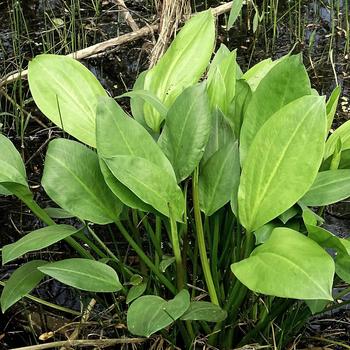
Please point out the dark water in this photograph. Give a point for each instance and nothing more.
(31, 27)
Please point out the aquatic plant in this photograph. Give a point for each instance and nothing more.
(213, 184)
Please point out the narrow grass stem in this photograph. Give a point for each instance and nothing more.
(201, 241)
(177, 251)
(42, 215)
(145, 258)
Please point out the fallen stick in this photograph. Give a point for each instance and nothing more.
(120, 40)
(84, 342)
(127, 16)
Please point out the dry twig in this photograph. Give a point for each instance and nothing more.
(126, 14)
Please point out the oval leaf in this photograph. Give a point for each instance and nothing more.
(89, 275)
(186, 130)
(36, 240)
(278, 171)
(329, 187)
(67, 93)
(284, 83)
(288, 265)
(150, 313)
(21, 282)
(182, 64)
(73, 179)
(204, 311)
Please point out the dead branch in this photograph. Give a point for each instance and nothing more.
(126, 14)
(101, 47)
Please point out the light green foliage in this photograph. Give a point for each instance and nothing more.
(234, 13)
(285, 82)
(186, 130)
(277, 171)
(288, 265)
(89, 275)
(136, 160)
(150, 313)
(36, 240)
(342, 134)
(67, 93)
(73, 179)
(219, 178)
(182, 65)
(204, 311)
(332, 106)
(329, 187)
(21, 282)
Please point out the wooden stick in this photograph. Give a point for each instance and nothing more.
(120, 40)
(84, 342)
(127, 16)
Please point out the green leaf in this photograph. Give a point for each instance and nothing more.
(20, 283)
(330, 186)
(186, 130)
(13, 179)
(166, 262)
(121, 191)
(342, 134)
(263, 233)
(288, 265)
(234, 13)
(36, 240)
(152, 99)
(284, 83)
(332, 106)
(342, 267)
(218, 178)
(204, 311)
(135, 159)
(135, 292)
(327, 239)
(89, 275)
(149, 182)
(67, 93)
(278, 171)
(58, 213)
(150, 313)
(182, 65)
(288, 214)
(316, 306)
(72, 178)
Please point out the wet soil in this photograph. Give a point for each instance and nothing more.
(41, 26)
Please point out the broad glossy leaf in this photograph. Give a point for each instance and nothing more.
(234, 13)
(72, 178)
(186, 130)
(150, 313)
(218, 178)
(67, 93)
(284, 83)
(149, 182)
(330, 186)
(204, 311)
(13, 179)
(182, 65)
(288, 265)
(332, 106)
(20, 283)
(278, 171)
(36, 240)
(121, 191)
(85, 274)
(342, 134)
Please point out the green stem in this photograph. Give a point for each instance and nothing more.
(177, 251)
(201, 241)
(42, 215)
(145, 258)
